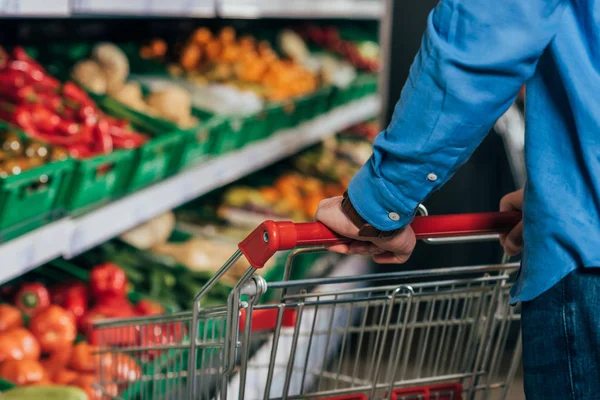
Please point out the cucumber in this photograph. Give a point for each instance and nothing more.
(44, 392)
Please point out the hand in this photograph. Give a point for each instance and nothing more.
(513, 241)
(393, 250)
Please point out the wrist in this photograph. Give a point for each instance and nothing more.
(365, 229)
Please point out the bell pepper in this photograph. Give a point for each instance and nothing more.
(126, 335)
(72, 296)
(45, 120)
(108, 280)
(54, 327)
(10, 317)
(149, 307)
(32, 298)
(73, 92)
(102, 141)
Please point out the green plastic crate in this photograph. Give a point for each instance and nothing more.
(98, 180)
(364, 85)
(31, 199)
(157, 159)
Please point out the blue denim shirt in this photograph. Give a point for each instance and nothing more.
(474, 57)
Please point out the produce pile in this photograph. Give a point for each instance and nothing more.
(107, 72)
(62, 115)
(364, 55)
(18, 154)
(292, 196)
(244, 62)
(41, 331)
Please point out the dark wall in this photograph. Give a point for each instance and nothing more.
(479, 184)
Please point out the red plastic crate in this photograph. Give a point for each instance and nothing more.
(418, 393)
(444, 391)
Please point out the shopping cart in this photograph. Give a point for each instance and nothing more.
(424, 334)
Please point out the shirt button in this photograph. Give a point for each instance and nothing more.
(432, 177)
(394, 216)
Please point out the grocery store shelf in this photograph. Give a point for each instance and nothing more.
(157, 8)
(69, 237)
(352, 9)
(35, 8)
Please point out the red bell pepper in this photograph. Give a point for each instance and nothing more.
(68, 128)
(45, 120)
(108, 280)
(103, 142)
(72, 296)
(149, 307)
(32, 297)
(126, 335)
(73, 92)
(79, 151)
(18, 94)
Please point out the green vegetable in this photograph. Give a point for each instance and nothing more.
(44, 392)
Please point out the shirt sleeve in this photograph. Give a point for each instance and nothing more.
(474, 57)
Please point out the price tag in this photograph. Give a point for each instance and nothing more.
(36, 8)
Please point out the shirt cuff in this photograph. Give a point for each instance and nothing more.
(372, 200)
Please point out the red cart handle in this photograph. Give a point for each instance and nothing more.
(271, 237)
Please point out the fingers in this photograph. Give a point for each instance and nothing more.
(330, 213)
(512, 201)
(513, 242)
(395, 249)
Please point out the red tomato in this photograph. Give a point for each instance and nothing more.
(10, 317)
(65, 377)
(26, 342)
(54, 328)
(83, 358)
(22, 372)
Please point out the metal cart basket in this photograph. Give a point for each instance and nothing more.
(425, 334)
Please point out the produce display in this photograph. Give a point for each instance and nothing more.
(18, 154)
(244, 62)
(47, 337)
(363, 54)
(318, 173)
(107, 72)
(58, 114)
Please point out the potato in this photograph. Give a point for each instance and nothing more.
(89, 74)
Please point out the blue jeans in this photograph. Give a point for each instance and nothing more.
(561, 340)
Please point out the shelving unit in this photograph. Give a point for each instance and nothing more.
(69, 237)
(346, 9)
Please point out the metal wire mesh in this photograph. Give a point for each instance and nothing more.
(374, 336)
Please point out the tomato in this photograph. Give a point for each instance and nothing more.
(83, 357)
(10, 317)
(119, 367)
(54, 328)
(108, 279)
(22, 372)
(86, 383)
(149, 307)
(56, 362)
(10, 349)
(65, 377)
(26, 342)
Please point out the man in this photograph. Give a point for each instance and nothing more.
(474, 57)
